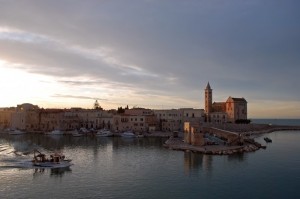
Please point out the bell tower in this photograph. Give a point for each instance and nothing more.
(208, 100)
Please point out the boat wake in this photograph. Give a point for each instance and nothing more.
(11, 158)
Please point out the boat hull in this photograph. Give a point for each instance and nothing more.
(52, 164)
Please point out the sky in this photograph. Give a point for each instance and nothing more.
(156, 54)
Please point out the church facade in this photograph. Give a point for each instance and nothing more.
(221, 112)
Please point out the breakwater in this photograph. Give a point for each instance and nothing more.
(245, 132)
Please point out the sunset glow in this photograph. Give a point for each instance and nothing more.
(124, 55)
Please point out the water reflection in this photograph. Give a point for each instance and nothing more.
(28, 141)
(237, 157)
(193, 162)
(60, 172)
(55, 172)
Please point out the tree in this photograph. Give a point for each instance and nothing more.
(120, 110)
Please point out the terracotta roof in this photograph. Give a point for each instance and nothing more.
(219, 103)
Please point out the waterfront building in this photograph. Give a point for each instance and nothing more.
(218, 117)
(221, 112)
(136, 119)
(31, 118)
(196, 116)
(169, 120)
(6, 117)
(193, 134)
(125, 122)
(25, 117)
(173, 119)
(236, 109)
(91, 118)
(139, 111)
(51, 119)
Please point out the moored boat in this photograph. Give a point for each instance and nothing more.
(128, 134)
(76, 134)
(84, 130)
(55, 132)
(140, 135)
(16, 132)
(267, 139)
(104, 133)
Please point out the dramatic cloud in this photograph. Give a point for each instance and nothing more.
(157, 52)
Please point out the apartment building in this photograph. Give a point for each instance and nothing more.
(6, 117)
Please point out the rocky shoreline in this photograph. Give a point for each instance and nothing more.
(179, 145)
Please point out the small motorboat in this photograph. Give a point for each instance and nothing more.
(140, 136)
(57, 160)
(55, 132)
(267, 139)
(84, 130)
(128, 134)
(16, 132)
(104, 133)
(76, 134)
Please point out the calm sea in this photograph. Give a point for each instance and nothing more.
(290, 122)
(142, 168)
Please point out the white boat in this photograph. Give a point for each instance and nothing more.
(140, 136)
(76, 134)
(16, 132)
(128, 134)
(55, 132)
(56, 160)
(104, 133)
(83, 130)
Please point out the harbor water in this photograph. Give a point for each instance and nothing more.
(142, 168)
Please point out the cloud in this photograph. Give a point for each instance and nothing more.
(77, 97)
(158, 48)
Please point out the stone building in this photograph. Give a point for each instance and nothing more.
(218, 117)
(230, 111)
(6, 117)
(33, 119)
(193, 134)
(173, 119)
(51, 119)
(169, 120)
(26, 117)
(139, 111)
(91, 118)
(136, 119)
(236, 109)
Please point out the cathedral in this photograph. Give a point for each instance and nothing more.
(232, 110)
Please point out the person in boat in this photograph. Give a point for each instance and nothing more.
(40, 157)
